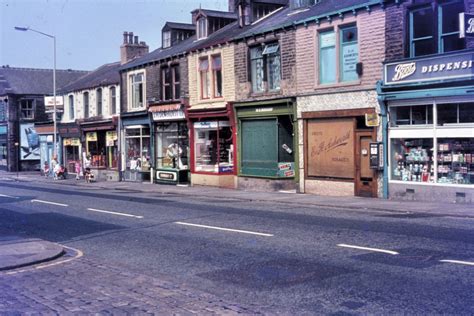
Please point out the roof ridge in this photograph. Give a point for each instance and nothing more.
(41, 69)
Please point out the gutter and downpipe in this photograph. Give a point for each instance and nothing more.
(383, 114)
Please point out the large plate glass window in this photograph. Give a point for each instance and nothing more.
(137, 148)
(172, 145)
(214, 148)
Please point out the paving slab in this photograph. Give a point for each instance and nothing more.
(16, 252)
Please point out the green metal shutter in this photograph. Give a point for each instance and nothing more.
(259, 154)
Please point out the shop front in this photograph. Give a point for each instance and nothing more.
(267, 155)
(136, 146)
(213, 143)
(3, 147)
(101, 148)
(341, 140)
(430, 130)
(43, 133)
(171, 144)
(70, 140)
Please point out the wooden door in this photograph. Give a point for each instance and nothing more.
(366, 179)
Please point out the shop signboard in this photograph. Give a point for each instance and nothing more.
(167, 112)
(466, 25)
(110, 138)
(29, 142)
(443, 67)
(211, 124)
(71, 142)
(372, 120)
(331, 148)
(91, 137)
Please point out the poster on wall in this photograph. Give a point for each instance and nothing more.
(331, 148)
(29, 142)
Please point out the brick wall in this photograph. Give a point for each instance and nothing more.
(287, 42)
(469, 9)
(371, 41)
(394, 24)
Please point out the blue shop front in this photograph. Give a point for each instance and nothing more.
(429, 127)
(135, 149)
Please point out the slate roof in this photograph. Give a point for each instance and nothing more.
(32, 81)
(180, 26)
(283, 17)
(217, 14)
(105, 75)
(288, 17)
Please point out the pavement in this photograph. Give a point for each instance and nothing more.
(16, 252)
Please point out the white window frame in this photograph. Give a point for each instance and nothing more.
(201, 23)
(131, 97)
(166, 39)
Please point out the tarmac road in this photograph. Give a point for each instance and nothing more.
(270, 257)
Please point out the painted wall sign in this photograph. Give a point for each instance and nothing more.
(258, 110)
(331, 148)
(452, 66)
(29, 142)
(211, 124)
(466, 25)
(110, 138)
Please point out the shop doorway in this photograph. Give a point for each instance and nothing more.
(366, 180)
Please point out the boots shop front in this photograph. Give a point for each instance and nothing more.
(430, 104)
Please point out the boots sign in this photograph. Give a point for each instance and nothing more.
(442, 67)
(466, 25)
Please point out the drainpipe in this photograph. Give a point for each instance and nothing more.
(383, 114)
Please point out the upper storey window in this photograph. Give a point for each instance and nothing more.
(265, 67)
(137, 93)
(434, 28)
(295, 4)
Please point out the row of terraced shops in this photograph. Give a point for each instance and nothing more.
(358, 98)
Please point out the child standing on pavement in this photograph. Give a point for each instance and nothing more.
(77, 167)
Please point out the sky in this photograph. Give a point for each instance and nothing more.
(88, 33)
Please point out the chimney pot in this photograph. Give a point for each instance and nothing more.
(135, 40)
(130, 37)
(125, 36)
(142, 43)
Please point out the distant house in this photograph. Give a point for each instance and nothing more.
(22, 92)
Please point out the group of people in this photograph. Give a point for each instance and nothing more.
(59, 172)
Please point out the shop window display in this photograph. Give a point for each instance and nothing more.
(213, 147)
(96, 148)
(137, 144)
(172, 145)
(412, 160)
(455, 160)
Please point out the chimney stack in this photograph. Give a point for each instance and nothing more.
(131, 48)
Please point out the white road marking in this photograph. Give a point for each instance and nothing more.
(9, 196)
(48, 202)
(468, 263)
(114, 213)
(369, 249)
(225, 229)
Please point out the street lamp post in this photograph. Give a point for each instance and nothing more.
(24, 29)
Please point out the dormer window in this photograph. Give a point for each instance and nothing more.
(202, 28)
(296, 4)
(166, 39)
